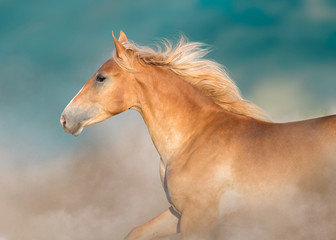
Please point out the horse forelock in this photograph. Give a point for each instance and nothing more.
(186, 59)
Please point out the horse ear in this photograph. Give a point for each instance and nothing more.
(120, 49)
(122, 37)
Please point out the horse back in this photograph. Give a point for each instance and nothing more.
(284, 152)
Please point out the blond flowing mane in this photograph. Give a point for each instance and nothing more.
(186, 59)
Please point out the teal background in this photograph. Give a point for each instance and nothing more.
(282, 55)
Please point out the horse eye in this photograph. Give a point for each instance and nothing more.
(100, 78)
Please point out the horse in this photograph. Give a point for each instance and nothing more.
(216, 148)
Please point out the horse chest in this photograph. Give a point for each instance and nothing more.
(186, 186)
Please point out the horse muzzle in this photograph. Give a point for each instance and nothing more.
(74, 120)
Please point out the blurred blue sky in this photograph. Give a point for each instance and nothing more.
(282, 55)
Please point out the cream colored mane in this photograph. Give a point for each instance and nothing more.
(186, 59)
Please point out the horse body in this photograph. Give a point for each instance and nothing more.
(251, 159)
(207, 152)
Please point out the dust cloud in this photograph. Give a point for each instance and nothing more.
(105, 188)
(290, 217)
(304, 209)
(98, 191)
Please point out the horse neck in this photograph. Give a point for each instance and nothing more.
(173, 110)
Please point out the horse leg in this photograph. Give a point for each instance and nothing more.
(198, 223)
(167, 223)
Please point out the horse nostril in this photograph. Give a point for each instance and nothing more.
(63, 121)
